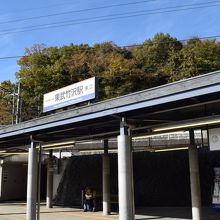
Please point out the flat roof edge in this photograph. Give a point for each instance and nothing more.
(181, 86)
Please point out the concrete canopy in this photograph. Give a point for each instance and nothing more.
(191, 99)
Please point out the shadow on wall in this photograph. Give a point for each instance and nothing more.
(160, 179)
(13, 186)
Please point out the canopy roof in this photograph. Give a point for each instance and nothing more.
(192, 100)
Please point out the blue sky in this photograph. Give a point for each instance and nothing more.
(17, 15)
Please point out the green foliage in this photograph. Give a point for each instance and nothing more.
(197, 57)
(6, 102)
(152, 58)
(120, 71)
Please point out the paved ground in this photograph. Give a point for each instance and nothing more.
(16, 211)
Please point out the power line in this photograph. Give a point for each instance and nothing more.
(182, 41)
(10, 57)
(43, 7)
(76, 11)
(109, 18)
(124, 46)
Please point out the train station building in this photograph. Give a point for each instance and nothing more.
(156, 147)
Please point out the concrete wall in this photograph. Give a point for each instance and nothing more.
(58, 176)
(13, 185)
(14, 181)
(80, 171)
(160, 179)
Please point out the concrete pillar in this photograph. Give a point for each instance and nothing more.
(32, 182)
(39, 182)
(106, 180)
(49, 202)
(125, 175)
(194, 178)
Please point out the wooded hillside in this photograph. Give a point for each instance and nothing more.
(120, 70)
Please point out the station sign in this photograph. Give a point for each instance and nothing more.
(214, 139)
(70, 95)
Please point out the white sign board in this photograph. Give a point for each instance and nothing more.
(69, 95)
(214, 139)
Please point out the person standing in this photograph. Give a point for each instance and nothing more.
(89, 199)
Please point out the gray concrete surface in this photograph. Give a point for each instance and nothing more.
(17, 211)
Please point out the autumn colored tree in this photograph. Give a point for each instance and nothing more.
(6, 102)
(120, 71)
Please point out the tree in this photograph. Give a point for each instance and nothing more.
(6, 102)
(120, 70)
(152, 57)
(196, 57)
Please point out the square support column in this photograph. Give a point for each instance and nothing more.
(125, 175)
(194, 178)
(32, 182)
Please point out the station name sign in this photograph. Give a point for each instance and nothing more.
(70, 95)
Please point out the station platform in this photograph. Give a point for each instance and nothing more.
(17, 211)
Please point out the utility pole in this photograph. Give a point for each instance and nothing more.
(16, 103)
(13, 106)
(18, 106)
(15, 114)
